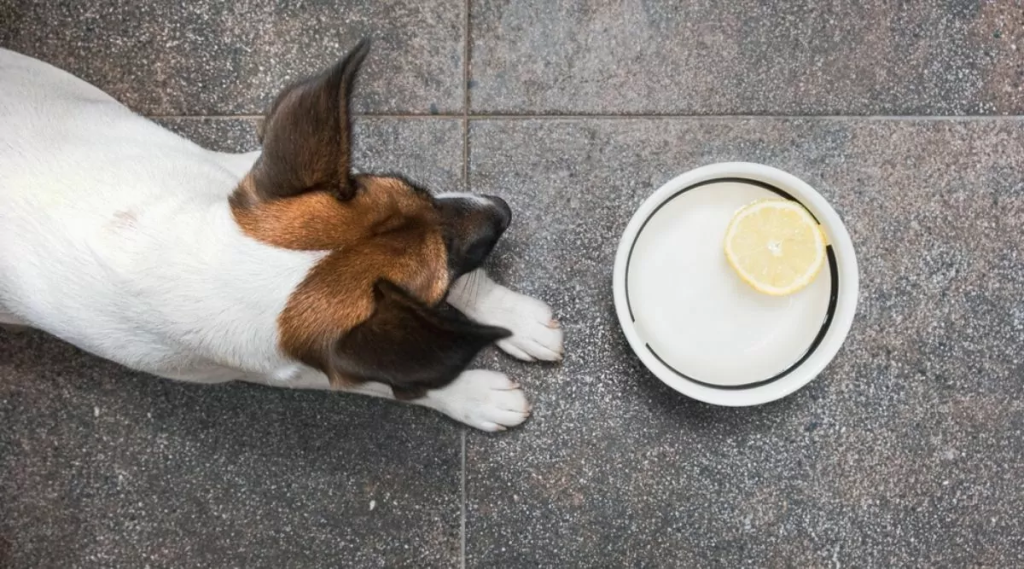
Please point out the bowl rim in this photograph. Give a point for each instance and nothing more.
(846, 304)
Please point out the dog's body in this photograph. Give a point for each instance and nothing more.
(146, 249)
(116, 236)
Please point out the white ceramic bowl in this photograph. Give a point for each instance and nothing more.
(690, 318)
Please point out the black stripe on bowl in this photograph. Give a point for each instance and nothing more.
(833, 297)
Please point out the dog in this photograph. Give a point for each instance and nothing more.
(281, 266)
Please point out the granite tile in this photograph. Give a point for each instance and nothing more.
(427, 150)
(704, 57)
(220, 134)
(904, 453)
(104, 467)
(208, 57)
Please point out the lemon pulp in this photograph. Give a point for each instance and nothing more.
(775, 246)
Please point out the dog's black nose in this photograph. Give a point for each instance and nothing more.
(503, 210)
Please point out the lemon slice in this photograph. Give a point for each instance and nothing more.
(775, 245)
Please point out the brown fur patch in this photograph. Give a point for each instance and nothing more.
(317, 221)
(387, 231)
(372, 308)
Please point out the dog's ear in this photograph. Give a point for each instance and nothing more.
(408, 345)
(307, 135)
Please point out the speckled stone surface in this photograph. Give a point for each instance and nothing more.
(427, 151)
(210, 57)
(104, 467)
(908, 450)
(748, 57)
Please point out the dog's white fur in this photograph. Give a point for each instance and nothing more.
(116, 236)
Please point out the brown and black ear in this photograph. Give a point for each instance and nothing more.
(307, 135)
(410, 346)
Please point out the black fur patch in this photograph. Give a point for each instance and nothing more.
(410, 346)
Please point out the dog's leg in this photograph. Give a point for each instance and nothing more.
(486, 400)
(535, 334)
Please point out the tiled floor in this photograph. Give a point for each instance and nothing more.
(907, 451)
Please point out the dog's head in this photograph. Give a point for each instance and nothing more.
(373, 308)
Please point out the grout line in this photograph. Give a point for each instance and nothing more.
(462, 517)
(214, 117)
(465, 101)
(465, 182)
(357, 116)
(742, 117)
(465, 154)
(465, 116)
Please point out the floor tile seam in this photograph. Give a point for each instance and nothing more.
(526, 117)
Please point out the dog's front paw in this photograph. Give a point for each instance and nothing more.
(486, 400)
(536, 335)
